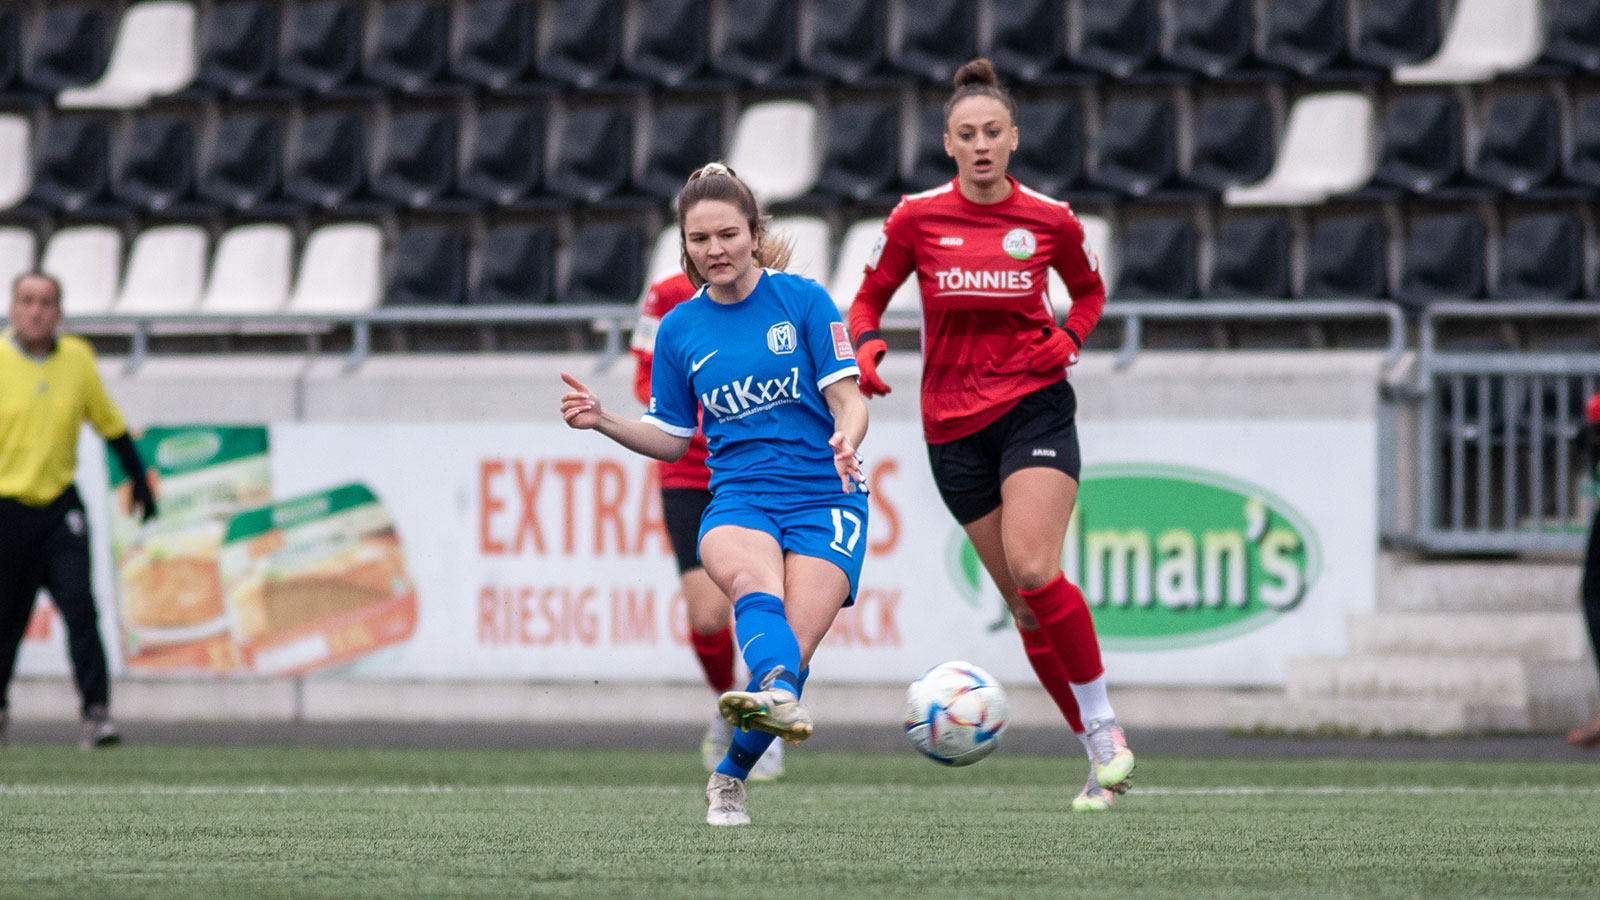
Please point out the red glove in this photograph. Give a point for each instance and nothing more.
(1058, 350)
(1591, 412)
(869, 353)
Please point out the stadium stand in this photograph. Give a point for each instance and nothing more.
(419, 164)
(1232, 143)
(595, 159)
(1422, 150)
(329, 170)
(323, 53)
(848, 43)
(87, 261)
(17, 250)
(682, 138)
(1484, 38)
(71, 172)
(759, 43)
(1326, 149)
(607, 265)
(153, 54)
(251, 270)
(412, 48)
(1444, 260)
(516, 265)
(1347, 259)
(774, 149)
(245, 170)
(166, 271)
(1573, 42)
(427, 267)
(1541, 258)
(1136, 151)
(497, 47)
(673, 47)
(1158, 261)
(157, 171)
(938, 36)
(1049, 159)
(1211, 37)
(1395, 33)
(1120, 37)
(339, 270)
(15, 166)
(854, 166)
(238, 51)
(1029, 43)
(506, 164)
(1251, 259)
(69, 48)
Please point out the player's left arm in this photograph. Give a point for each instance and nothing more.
(1056, 348)
(849, 410)
(102, 413)
(833, 358)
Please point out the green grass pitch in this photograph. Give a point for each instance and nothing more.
(163, 822)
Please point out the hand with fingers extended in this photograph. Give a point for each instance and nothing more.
(846, 462)
(579, 406)
(868, 355)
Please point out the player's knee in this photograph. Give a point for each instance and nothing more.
(1033, 575)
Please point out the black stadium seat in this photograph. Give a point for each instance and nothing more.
(1541, 259)
(848, 41)
(1158, 261)
(1421, 150)
(607, 265)
(419, 164)
(506, 165)
(71, 172)
(937, 37)
(1232, 143)
(69, 47)
(1521, 147)
(330, 165)
(246, 163)
(930, 165)
(497, 41)
(594, 161)
(1136, 148)
(1305, 36)
(157, 172)
(516, 265)
(427, 267)
(324, 47)
(1574, 35)
(1029, 43)
(1120, 37)
(1251, 259)
(682, 138)
(1347, 259)
(673, 47)
(1049, 155)
(10, 50)
(1443, 260)
(854, 164)
(412, 46)
(585, 44)
(759, 41)
(1582, 165)
(1211, 37)
(1396, 32)
(239, 49)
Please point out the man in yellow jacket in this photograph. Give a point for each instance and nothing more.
(48, 388)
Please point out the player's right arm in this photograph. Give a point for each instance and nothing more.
(893, 259)
(581, 409)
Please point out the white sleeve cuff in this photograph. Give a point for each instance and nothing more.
(838, 375)
(674, 430)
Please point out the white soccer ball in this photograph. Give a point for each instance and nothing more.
(955, 713)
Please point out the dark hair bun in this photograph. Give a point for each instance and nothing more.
(978, 71)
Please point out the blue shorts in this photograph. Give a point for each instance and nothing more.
(831, 526)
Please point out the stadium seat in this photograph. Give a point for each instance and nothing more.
(330, 165)
(1421, 146)
(854, 251)
(87, 260)
(239, 51)
(154, 54)
(808, 245)
(324, 47)
(774, 149)
(1305, 37)
(1582, 165)
(1327, 148)
(72, 170)
(516, 265)
(1251, 259)
(585, 43)
(1394, 33)
(673, 47)
(855, 165)
(1158, 261)
(1483, 39)
(157, 172)
(1232, 143)
(1541, 258)
(930, 165)
(666, 258)
(419, 161)
(68, 48)
(427, 267)
(1049, 155)
(1211, 37)
(607, 265)
(18, 247)
(10, 52)
(16, 141)
(848, 42)
(1029, 43)
(250, 270)
(937, 38)
(497, 45)
(1574, 35)
(682, 138)
(246, 163)
(1521, 148)
(1136, 148)
(1097, 232)
(506, 165)
(1120, 37)
(339, 270)
(1444, 260)
(758, 44)
(594, 159)
(166, 271)
(412, 46)
(1347, 259)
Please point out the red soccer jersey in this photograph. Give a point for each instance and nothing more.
(690, 471)
(983, 271)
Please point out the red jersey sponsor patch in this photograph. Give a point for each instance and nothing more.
(841, 342)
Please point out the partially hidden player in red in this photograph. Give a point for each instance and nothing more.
(997, 410)
(685, 494)
(1590, 585)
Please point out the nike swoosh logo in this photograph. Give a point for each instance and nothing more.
(695, 366)
(747, 644)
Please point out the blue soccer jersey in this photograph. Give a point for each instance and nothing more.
(757, 368)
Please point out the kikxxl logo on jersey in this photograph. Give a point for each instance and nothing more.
(1171, 557)
(741, 398)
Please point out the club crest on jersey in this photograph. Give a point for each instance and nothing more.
(781, 338)
(1019, 243)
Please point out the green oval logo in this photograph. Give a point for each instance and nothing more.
(187, 449)
(1173, 557)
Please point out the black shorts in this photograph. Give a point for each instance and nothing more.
(681, 509)
(1040, 431)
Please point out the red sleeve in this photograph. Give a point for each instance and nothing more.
(1080, 271)
(893, 259)
(643, 345)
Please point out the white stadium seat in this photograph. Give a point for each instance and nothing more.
(340, 270)
(666, 258)
(1329, 146)
(87, 260)
(775, 149)
(1098, 233)
(166, 270)
(250, 271)
(1483, 39)
(854, 250)
(17, 249)
(15, 172)
(154, 53)
(808, 237)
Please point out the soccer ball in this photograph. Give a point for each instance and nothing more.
(955, 713)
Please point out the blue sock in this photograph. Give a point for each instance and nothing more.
(747, 746)
(766, 640)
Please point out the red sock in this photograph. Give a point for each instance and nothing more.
(1064, 618)
(716, 657)
(1054, 678)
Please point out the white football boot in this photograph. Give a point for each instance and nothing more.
(725, 801)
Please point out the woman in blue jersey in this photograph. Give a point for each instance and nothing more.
(766, 357)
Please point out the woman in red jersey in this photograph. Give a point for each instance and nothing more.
(685, 494)
(997, 410)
